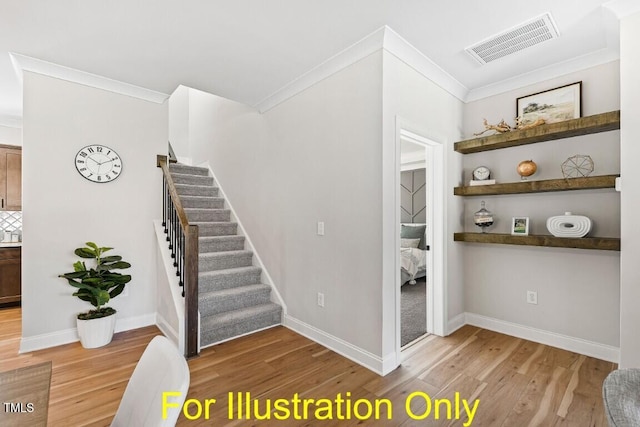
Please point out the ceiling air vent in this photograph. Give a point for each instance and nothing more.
(514, 40)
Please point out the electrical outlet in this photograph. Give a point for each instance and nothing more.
(320, 228)
(320, 299)
(532, 297)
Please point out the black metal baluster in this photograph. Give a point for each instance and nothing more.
(164, 203)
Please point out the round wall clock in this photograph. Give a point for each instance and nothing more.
(98, 163)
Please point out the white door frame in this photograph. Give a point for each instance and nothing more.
(436, 300)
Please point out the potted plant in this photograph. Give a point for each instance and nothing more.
(97, 285)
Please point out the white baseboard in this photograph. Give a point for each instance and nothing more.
(66, 336)
(135, 322)
(52, 339)
(380, 366)
(565, 342)
(456, 323)
(167, 329)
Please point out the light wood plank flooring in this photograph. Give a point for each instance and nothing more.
(518, 382)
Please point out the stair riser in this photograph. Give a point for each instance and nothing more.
(228, 229)
(210, 307)
(223, 263)
(190, 190)
(188, 170)
(192, 179)
(226, 331)
(236, 244)
(210, 215)
(202, 203)
(207, 283)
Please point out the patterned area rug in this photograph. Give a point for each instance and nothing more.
(414, 311)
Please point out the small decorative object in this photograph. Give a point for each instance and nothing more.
(97, 285)
(577, 166)
(483, 218)
(569, 225)
(526, 168)
(98, 163)
(481, 176)
(481, 173)
(552, 106)
(501, 127)
(520, 226)
(522, 126)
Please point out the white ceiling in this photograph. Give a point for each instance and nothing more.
(247, 50)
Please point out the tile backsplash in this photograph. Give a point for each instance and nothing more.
(10, 221)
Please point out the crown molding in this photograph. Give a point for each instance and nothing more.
(383, 38)
(407, 53)
(623, 8)
(357, 51)
(594, 59)
(25, 63)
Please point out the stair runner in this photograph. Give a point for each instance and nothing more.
(232, 301)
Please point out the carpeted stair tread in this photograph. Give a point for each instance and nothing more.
(196, 190)
(220, 327)
(202, 202)
(225, 228)
(224, 260)
(179, 178)
(209, 281)
(208, 215)
(220, 243)
(186, 169)
(230, 299)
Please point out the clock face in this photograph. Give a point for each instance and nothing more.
(98, 163)
(481, 173)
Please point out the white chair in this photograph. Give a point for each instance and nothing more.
(160, 369)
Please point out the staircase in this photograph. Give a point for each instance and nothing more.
(232, 301)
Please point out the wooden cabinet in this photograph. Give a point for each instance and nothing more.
(10, 178)
(10, 275)
(576, 127)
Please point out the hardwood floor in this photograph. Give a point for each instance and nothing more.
(517, 382)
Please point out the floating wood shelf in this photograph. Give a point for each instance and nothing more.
(565, 184)
(600, 243)
(583, 126)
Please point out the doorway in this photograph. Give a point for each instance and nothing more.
(423, 154)
(413, 247)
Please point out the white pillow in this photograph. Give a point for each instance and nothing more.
(409, 243)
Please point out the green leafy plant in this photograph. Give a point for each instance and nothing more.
(97, 284)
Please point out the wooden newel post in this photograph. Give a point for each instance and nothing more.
(191, 291)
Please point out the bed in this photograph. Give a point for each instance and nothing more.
(413, 254)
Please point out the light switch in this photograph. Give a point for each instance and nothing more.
(320, 228)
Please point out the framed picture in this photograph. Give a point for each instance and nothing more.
(520, 226)
(554, 105)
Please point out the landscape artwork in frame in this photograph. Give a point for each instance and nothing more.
(552, 106)
(520, 226)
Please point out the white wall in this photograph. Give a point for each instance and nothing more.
(414, 98)
(179, 121)
(62, 210)
(578, 290)
(315, 157)
(10, 135)
(630, 152)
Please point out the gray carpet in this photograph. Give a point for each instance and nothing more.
(414, 311)
(232, 300)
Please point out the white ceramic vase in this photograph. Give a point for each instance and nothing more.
(569, 225)
(96, 333)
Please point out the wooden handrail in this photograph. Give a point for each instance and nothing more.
(182, 216)
(188, 265)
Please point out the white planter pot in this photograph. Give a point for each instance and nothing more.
(96, 332)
